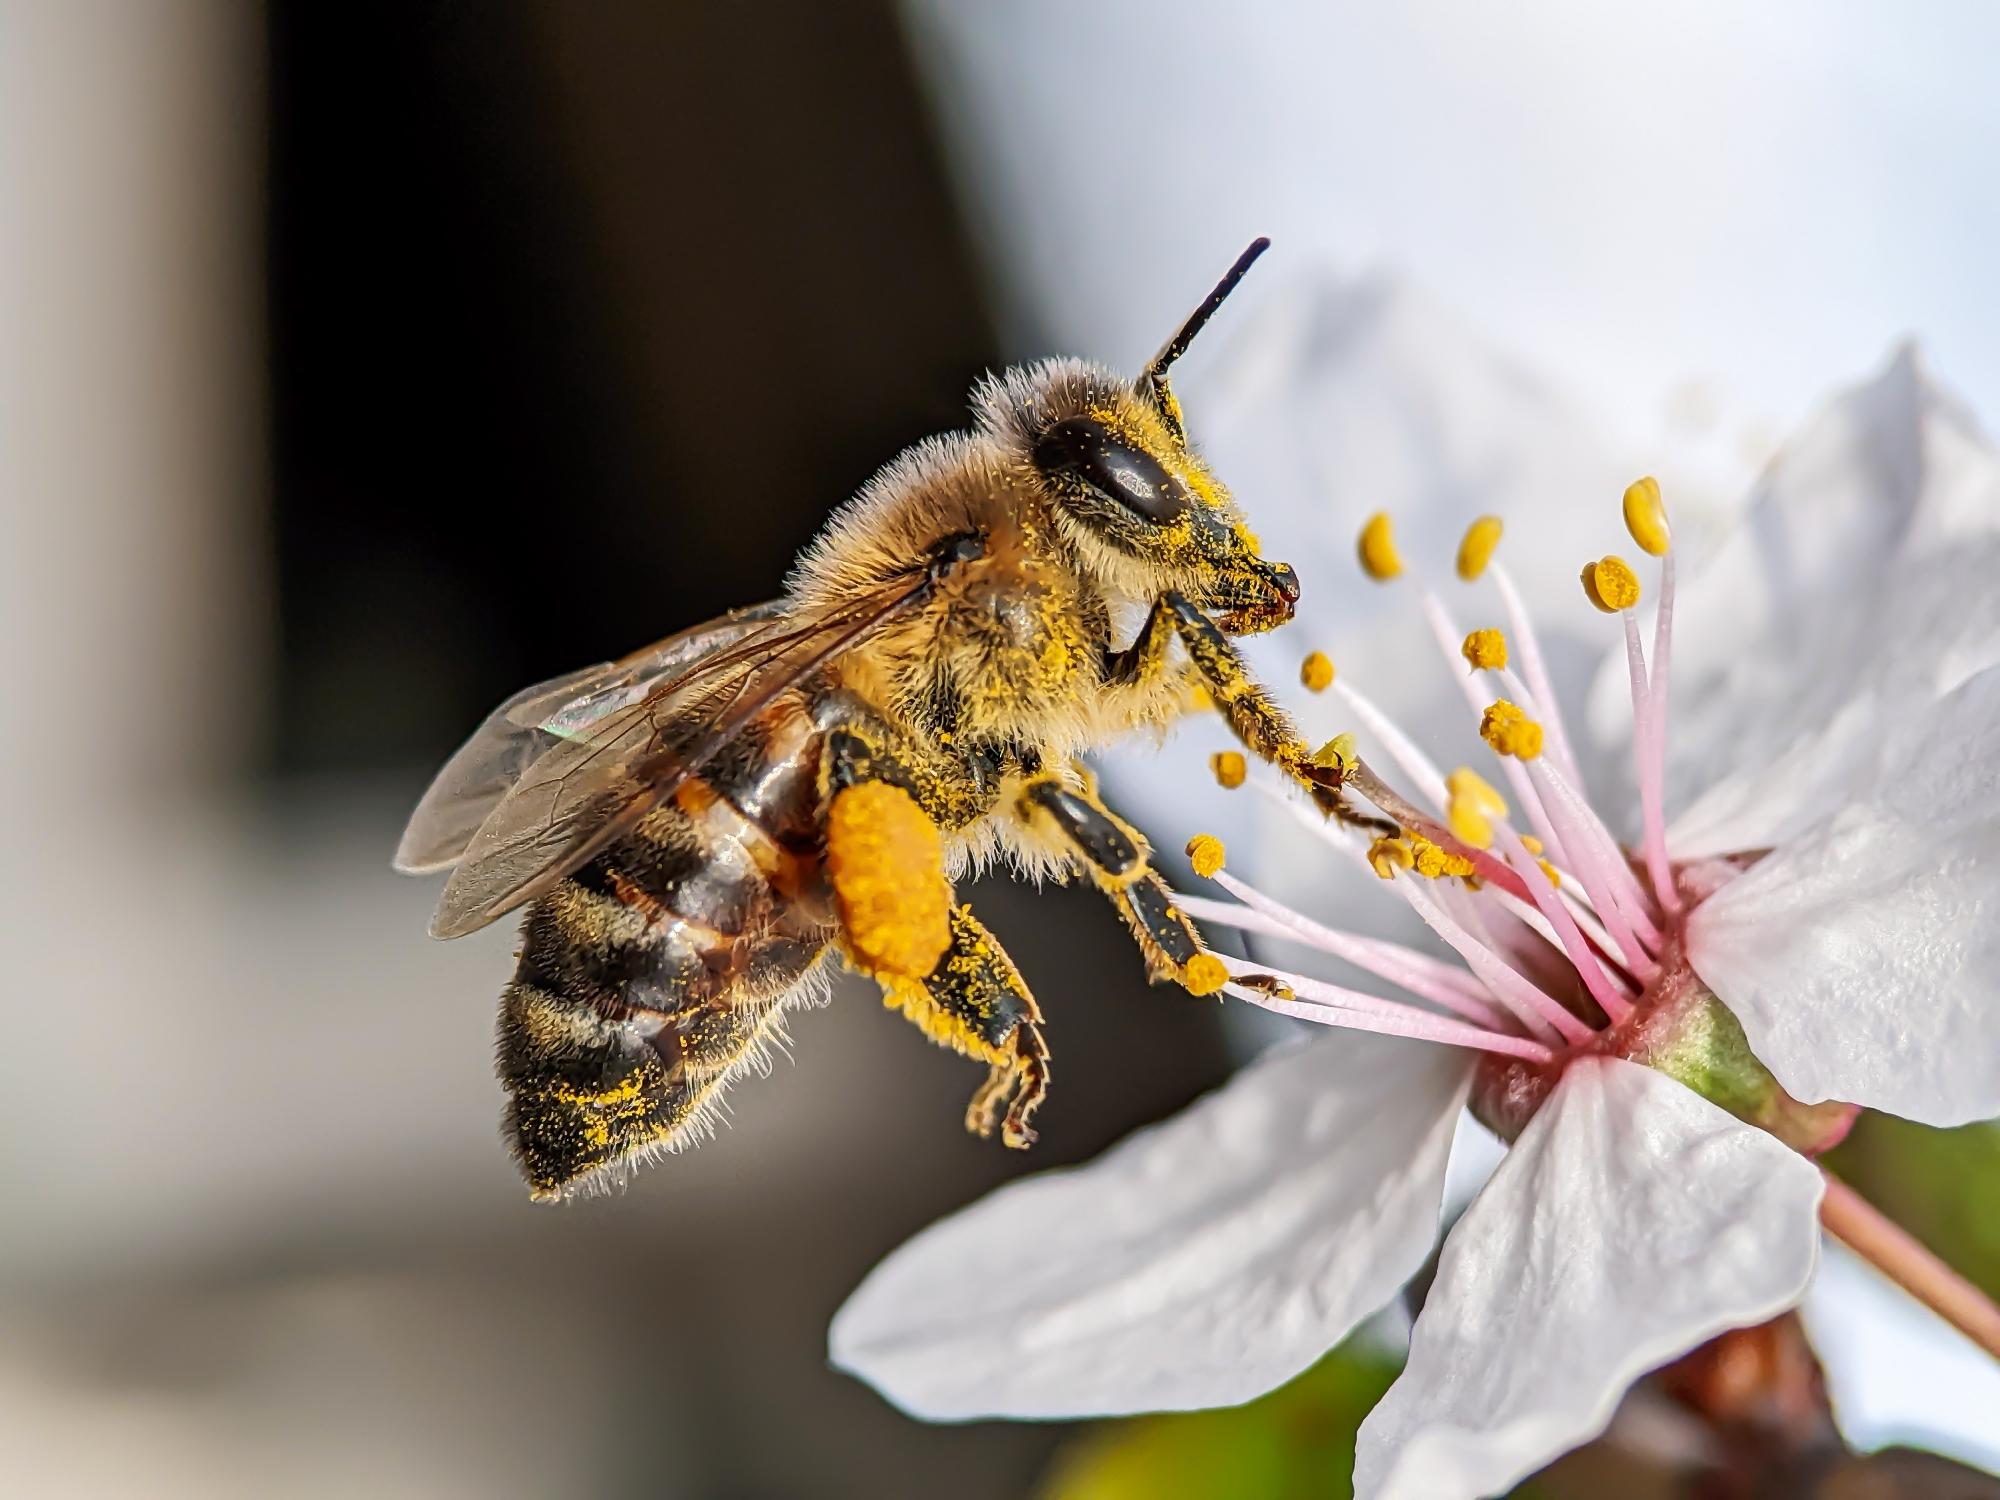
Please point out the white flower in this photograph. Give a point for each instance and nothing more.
(1828, 885)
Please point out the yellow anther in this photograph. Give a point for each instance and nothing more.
(1486, 650)
(1379, 558)
(1611, 584)
(1204, 975)
(1434, 863)
(1229, 768)
(1646, 516)
(1510, 732)
(1205, 853)
(1550, 871)
(1476, 551)
(1338, 754)
(1473, 807)
(1316, 672)
(1389, 854)
(1532, 844)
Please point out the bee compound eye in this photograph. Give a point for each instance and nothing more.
(1084, 451)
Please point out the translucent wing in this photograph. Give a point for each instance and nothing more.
(588, 789)
(536, 719)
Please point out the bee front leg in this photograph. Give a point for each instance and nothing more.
(935, 962)
(1253, 715)
(1115, 855)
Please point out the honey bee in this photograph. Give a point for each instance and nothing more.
(699, 829)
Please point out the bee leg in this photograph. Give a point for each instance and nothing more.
(1257, 718)
(1114, 853)
(935, 962)
(975, 1002)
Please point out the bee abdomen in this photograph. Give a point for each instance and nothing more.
(659, 970)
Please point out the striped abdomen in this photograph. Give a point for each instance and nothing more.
(659, 969)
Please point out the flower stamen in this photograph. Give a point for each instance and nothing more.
(1379, 558)
(1425, 977)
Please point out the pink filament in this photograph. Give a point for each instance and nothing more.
(1418, 973)
(1535, 670)
(1538, 1009)
(1402, 749)
(1402, 1021)
(1550, 903)
(1649, 738)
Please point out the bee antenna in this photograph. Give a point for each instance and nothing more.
(1154, 381)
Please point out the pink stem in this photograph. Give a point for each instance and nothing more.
(1899, 1255)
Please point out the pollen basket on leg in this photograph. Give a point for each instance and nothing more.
(886, 862)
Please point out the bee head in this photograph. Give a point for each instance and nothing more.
(1139, 508)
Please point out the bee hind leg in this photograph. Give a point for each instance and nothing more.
(935, 962)
(975, 1002)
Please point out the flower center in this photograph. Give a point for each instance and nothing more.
(1571, 945)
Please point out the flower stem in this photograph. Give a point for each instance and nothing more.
(1897, 1254)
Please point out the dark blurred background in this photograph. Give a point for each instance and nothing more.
(486, 341)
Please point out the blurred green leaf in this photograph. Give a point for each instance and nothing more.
(1941, 1185)
(1295, 1444)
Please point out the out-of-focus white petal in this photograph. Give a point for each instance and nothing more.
(1822, 726)
(1201, 1262)
(1854, 593)
(1863, 957)
(1896, 1371)
(1632, 1220)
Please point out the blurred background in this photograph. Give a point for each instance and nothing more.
(364, 363)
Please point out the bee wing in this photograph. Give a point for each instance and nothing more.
(586, 791)
(536, 719)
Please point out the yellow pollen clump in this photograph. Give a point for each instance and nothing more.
(1509, 731)
(1229, 768)
(1646, 516)
(1316, 672)
(1389, 854)
(1204, 975)
(1476, 551)
(1473, 807)
(1532, 844)
(1337, 754)
(886, 862)
(1205, 853)
(1486, 650)
(1550, 871)
(1379, 558)
(1434, 863)
(1611, 584)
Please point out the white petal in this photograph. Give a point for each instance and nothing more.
(1813, 727)
(1863, 957)
(1844, 598)
(1895, 1370)
(1631, 1221)
(1201, 1262)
